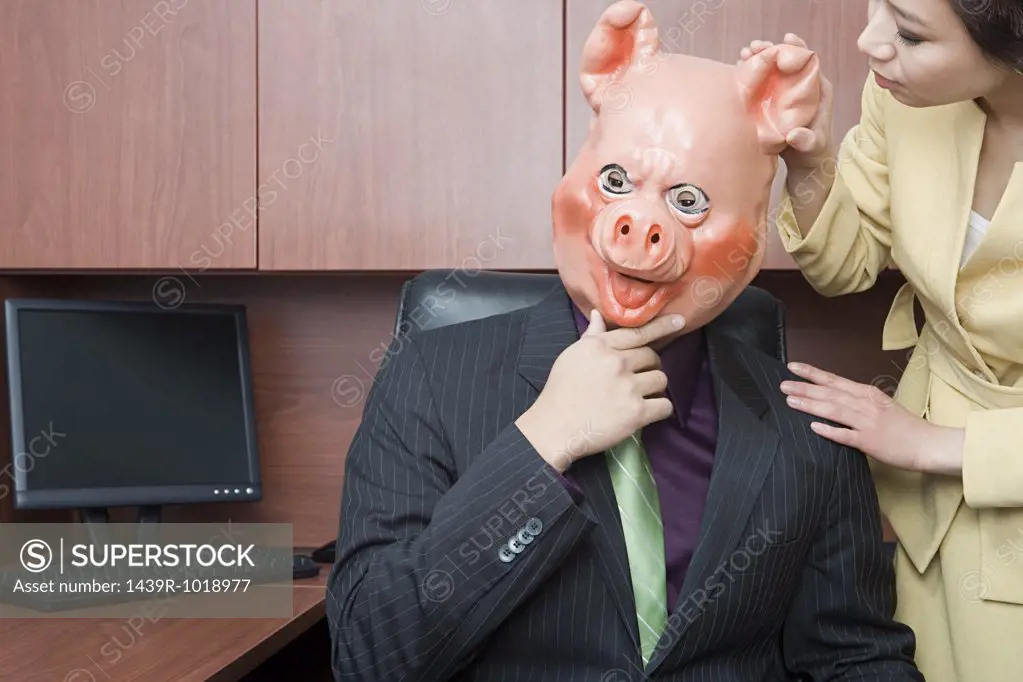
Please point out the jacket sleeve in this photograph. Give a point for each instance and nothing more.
(850, 242)
(841, 626)
(992, 466)
(430, 560)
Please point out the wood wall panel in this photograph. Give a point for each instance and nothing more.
(127, 133)
(317, 341)
(718, 29)
(843, 334)
(439, 130)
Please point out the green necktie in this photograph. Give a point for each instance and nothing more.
(640, 509)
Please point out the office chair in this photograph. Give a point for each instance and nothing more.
(437, 298)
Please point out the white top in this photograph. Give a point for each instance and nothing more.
(977, 228)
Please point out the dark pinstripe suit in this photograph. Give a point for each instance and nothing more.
(789, 580)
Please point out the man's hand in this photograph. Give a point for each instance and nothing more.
(600, 390)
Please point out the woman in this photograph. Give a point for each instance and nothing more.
(931, 181)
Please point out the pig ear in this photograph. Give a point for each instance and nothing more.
(624, 36)
(782, 89)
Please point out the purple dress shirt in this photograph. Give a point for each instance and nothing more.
(681, 450)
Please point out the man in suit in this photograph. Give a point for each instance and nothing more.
(607, 485)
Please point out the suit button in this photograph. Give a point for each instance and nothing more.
(534, 526)
(524, 536)
(505, 555)
(516, 546)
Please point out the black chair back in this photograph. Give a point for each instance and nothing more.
(436, 298)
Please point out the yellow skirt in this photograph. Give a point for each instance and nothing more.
(961, 636)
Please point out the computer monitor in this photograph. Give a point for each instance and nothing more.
(127, 404)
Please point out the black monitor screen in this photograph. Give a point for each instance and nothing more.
(139, 399)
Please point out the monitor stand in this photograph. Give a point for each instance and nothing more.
(149, 514)
(94, 519)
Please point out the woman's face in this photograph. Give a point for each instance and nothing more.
(921, 52)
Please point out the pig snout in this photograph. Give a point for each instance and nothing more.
(640, 241)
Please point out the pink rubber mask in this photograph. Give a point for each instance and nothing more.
(665, 209)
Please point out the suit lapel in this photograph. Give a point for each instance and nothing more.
(928, 237)
(968, 131)
(746, 448)
(958, 289)
(550, 328)
(949, 213)
(1001, 239)
(594, 479)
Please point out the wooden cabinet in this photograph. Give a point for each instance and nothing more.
(313, 135)
(718, 29)
(440, 128)
(127, 133)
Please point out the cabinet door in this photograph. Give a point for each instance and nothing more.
(718, 29)
(127, 133)
(407, 135)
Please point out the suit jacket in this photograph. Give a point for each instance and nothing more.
(789, 579)
(902, 194)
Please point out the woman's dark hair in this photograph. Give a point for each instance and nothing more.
(997, 27)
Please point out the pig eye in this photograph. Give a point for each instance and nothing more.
(614, 179)
(689, 199)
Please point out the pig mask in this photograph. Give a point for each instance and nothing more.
(665, 208)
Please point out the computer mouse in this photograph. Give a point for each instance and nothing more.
(303, 566)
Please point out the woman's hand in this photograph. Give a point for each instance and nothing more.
(809, 148)
(876, 424)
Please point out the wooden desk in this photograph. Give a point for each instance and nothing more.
(158, 650)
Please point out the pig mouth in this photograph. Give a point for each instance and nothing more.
(636, 279)
(633, 296)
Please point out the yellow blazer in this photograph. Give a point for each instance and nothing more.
(902, 193)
